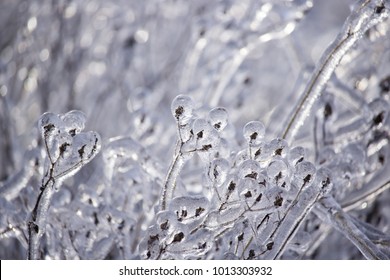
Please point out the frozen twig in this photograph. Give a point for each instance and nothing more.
(170, 182)
(67, 151)
(296, 213)
(365, 15)
(331, 211)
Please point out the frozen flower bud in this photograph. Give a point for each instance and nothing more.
(219, 170)
(278, 147)
(277, 173)
(206, 137)
(326, 155)
(296, 155)
(218, 118)
(304, 173)
(189, 208)
(74, 122)
(250, 191)
(74, 152)
(379, 109)
(50, 125)
(254, 132)
(249, 169)
(324, 180)
(182, 109)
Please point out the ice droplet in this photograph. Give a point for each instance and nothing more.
(218, 118)
(182, 108)
(254, 132)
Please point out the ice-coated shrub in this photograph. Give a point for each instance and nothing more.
(194, 130)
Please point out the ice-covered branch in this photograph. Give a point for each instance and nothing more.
(365, 15)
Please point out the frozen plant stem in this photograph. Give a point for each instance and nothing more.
(67, 151)
(170, 181)
(330, 210)
(37, 222)
(365, 15)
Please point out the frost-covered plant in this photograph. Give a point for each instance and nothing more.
(273, 158)
(67, 150)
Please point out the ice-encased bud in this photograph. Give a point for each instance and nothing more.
(278, 147)
(277, 172)
(250, 192)
(324, 180)
(206, 137)
(229, 190)
(182, 108)
(189, 207)
(254, 132)
(83, 148)
(249, 169)
(50, 125)
(201, 129)
(219, 170)
(304, 173)
(296, 155)
(74, 121)
(218, 118)
(326, 155)
(379, 109)
(355, 154)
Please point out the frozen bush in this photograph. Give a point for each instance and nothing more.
(214, 130)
